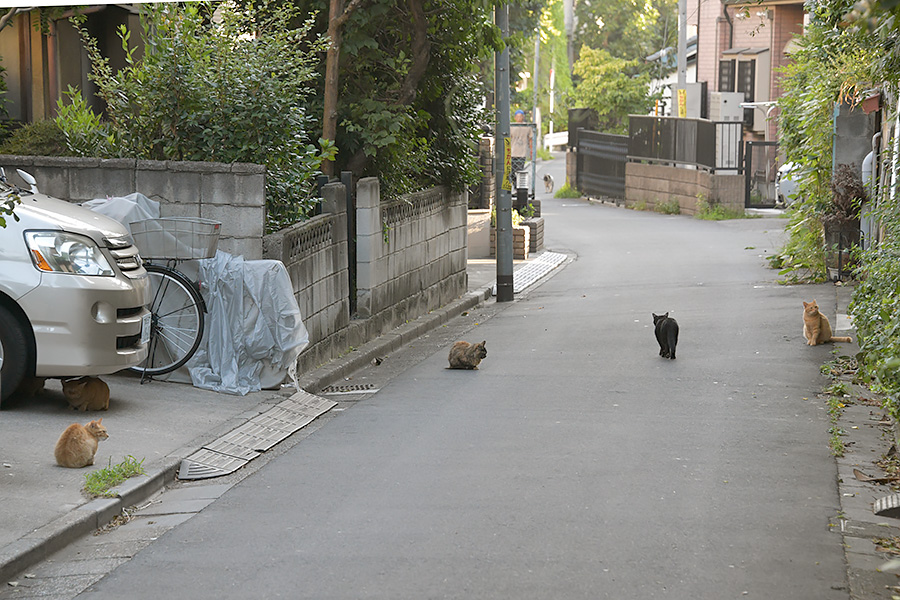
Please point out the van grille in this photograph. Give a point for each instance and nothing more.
(128, 341)
(127, 258)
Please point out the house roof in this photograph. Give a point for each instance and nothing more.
(744, 51)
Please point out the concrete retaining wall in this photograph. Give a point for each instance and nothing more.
(658, 184)
(234, 194)
(411, 252)
(411, 259)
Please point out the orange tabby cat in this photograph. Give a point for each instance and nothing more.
(78, 444)
(86, 393)
(464, 355)
(816, 328)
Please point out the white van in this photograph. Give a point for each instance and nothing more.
(73, 291)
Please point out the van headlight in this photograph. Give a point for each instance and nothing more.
(61, 252)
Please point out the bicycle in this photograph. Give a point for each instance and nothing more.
(176, 306)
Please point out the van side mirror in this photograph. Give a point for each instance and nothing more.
(29, 179)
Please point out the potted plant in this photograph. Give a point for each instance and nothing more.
(521, 234)
(535, 225)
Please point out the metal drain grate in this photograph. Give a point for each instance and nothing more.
(244, 443)
(359, 388)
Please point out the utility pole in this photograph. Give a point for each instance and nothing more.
(682, 44)
(502, 162)
(536, 111)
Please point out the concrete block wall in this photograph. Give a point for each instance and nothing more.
(411, 253)
(411, 259)
(315, 255)
(657, 184)
(234, 194)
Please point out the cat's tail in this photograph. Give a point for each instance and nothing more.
(845, 339)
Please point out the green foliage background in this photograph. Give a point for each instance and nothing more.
(230, 89)
(613, 87)
(848, 50)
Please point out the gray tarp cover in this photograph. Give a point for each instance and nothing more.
(254, 330)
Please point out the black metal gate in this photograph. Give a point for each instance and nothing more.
(760, 166)
(600, 167)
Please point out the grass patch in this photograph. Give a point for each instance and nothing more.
(98, 484)
(719, 212)
(672, 207)
(567, 191)
(544, 154)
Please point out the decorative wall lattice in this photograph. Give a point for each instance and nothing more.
(314, 235)
(413, 206)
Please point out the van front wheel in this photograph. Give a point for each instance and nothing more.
(13, 353)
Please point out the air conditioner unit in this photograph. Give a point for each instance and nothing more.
(726, 106)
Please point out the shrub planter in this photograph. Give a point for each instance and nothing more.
(521, 246)
(536, 232)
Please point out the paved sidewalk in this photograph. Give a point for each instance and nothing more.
(158, 422)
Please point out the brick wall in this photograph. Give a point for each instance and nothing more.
(234, 194)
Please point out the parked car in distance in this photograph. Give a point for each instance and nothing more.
(73, 291)
(786, 187)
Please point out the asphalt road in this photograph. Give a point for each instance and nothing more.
(576, 463)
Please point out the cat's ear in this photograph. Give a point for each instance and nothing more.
(665, 316)
(100, 421)
(484, 342)
(805, 304)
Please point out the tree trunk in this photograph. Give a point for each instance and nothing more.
(337, 16)
(420, 51)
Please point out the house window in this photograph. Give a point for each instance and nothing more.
(746, 78)
(726, 75)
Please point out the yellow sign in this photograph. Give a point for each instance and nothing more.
(682, 103)
(507, 164)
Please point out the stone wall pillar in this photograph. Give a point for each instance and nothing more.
(369, 244)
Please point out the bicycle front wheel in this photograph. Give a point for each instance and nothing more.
(176, 309)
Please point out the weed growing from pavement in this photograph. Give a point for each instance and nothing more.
(837, 388)
(717, 212)
(98, 484)
(672, 207)
(567, 191)
(890, 545)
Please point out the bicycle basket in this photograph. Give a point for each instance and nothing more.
(177, 238)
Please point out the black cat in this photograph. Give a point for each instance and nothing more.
(666, 335)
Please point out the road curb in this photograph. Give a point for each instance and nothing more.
(56, 535)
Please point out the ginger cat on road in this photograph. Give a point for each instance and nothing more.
(816, 328)
(77, 445)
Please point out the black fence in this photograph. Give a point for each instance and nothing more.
(710, 145)
(600, 170)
